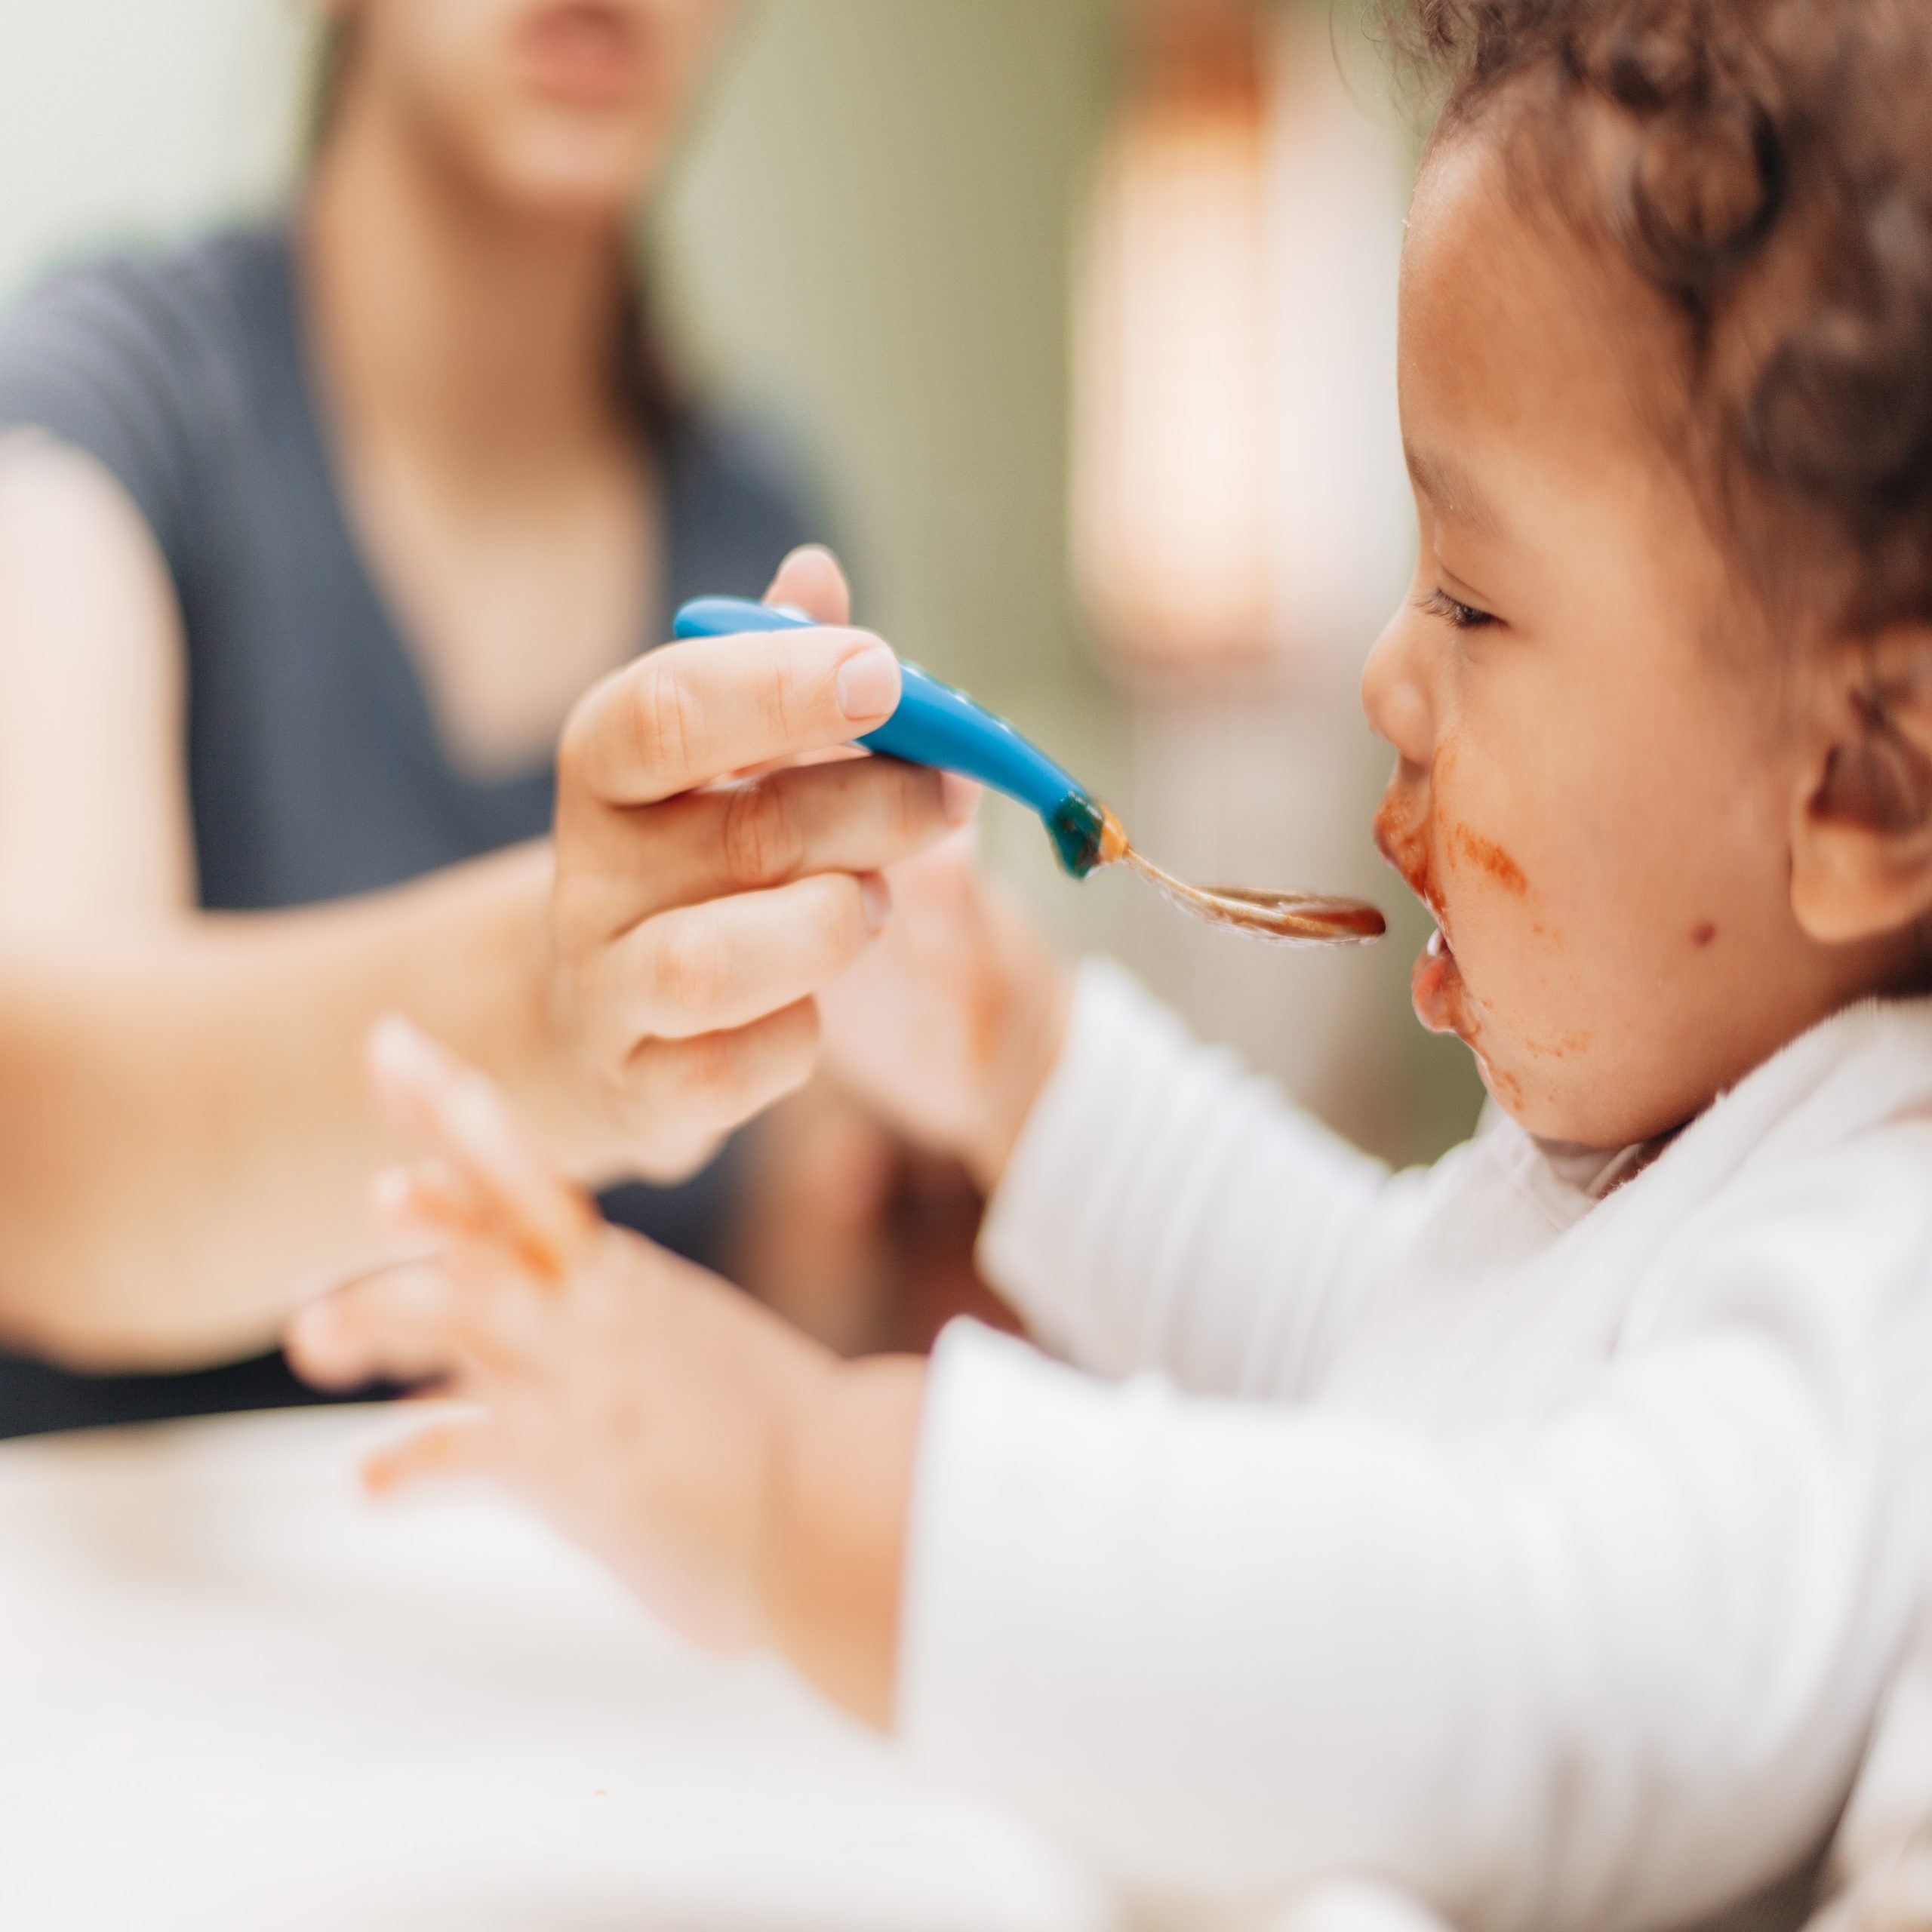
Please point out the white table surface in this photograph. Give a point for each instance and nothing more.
(234, 1693)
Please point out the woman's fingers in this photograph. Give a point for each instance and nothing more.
(694, 711)
(851, 815)
(693, 918)
(543, 1219)
(810, 579)
(712, 969)
(677, 1101)
(445, 1449)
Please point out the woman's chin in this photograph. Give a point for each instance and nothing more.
(575, 174)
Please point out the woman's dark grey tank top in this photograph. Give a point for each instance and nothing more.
(314, 766)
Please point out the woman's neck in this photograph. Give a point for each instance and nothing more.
(484, 335)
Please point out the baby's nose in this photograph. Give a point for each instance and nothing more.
(1394, 695)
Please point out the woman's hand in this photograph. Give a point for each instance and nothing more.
(949, 1024)
(696, 914)
(748, 1486)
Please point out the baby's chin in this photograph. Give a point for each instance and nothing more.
(1532, 1080)
(1574, 1099)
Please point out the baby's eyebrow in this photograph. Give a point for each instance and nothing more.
(1450, 490)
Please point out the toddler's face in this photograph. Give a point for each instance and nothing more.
(1594, 793)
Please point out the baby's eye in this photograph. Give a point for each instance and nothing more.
(1463, 616)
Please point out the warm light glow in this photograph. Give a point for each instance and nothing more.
(1237, 491)
(1173, 489)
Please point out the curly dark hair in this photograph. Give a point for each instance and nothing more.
(1774, 187)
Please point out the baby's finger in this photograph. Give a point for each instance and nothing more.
(445, 1449)
(545, 1219)
(403, 1324)
(429, 1203)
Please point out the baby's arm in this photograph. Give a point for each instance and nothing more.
(1151, 1206)
(1610, 1670)
(748, 1484)
(1162, 1208)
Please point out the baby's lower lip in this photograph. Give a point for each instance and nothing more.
(1436, 987)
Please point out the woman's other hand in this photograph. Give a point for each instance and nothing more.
(748, 1486)
(697, 912)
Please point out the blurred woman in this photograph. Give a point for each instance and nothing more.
(310, 536)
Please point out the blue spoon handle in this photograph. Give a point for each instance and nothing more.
(934, 724)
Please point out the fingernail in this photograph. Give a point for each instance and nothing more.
(877, 896)
(958, 797)
(868, 684)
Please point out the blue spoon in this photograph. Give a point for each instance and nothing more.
(936, 725)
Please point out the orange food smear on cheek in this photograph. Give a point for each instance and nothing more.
(1489, 858)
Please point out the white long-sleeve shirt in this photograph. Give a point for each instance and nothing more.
(1537, 1543)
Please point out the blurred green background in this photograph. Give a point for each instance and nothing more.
(869, 239)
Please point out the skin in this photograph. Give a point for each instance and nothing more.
(1657, 863)
(1572, 682)
(179, 1160)
(466, 239)
(720, 1461)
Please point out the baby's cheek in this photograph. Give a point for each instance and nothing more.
(1553, 1010)
(1530, 982)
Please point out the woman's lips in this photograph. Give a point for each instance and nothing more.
(585, 50)
(1436, 987)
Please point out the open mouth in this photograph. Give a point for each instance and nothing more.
(1435, 987)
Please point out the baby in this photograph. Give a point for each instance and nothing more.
(1536, 1535)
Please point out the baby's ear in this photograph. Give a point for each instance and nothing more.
(1862, 829)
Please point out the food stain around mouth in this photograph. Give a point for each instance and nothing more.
(1401, 836)
(1489, 858)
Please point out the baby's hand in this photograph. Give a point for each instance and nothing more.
(642, 1404)
(950, 1023)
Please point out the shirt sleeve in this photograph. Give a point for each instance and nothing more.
(111, 359)
(1162, 1209)
(1610, 1670)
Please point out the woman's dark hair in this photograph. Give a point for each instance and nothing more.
(646, 371)
(1775, 190)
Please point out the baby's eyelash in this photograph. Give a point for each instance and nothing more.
(1464, 616)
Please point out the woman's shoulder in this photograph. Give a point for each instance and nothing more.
(152, 361)
(188, 303)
